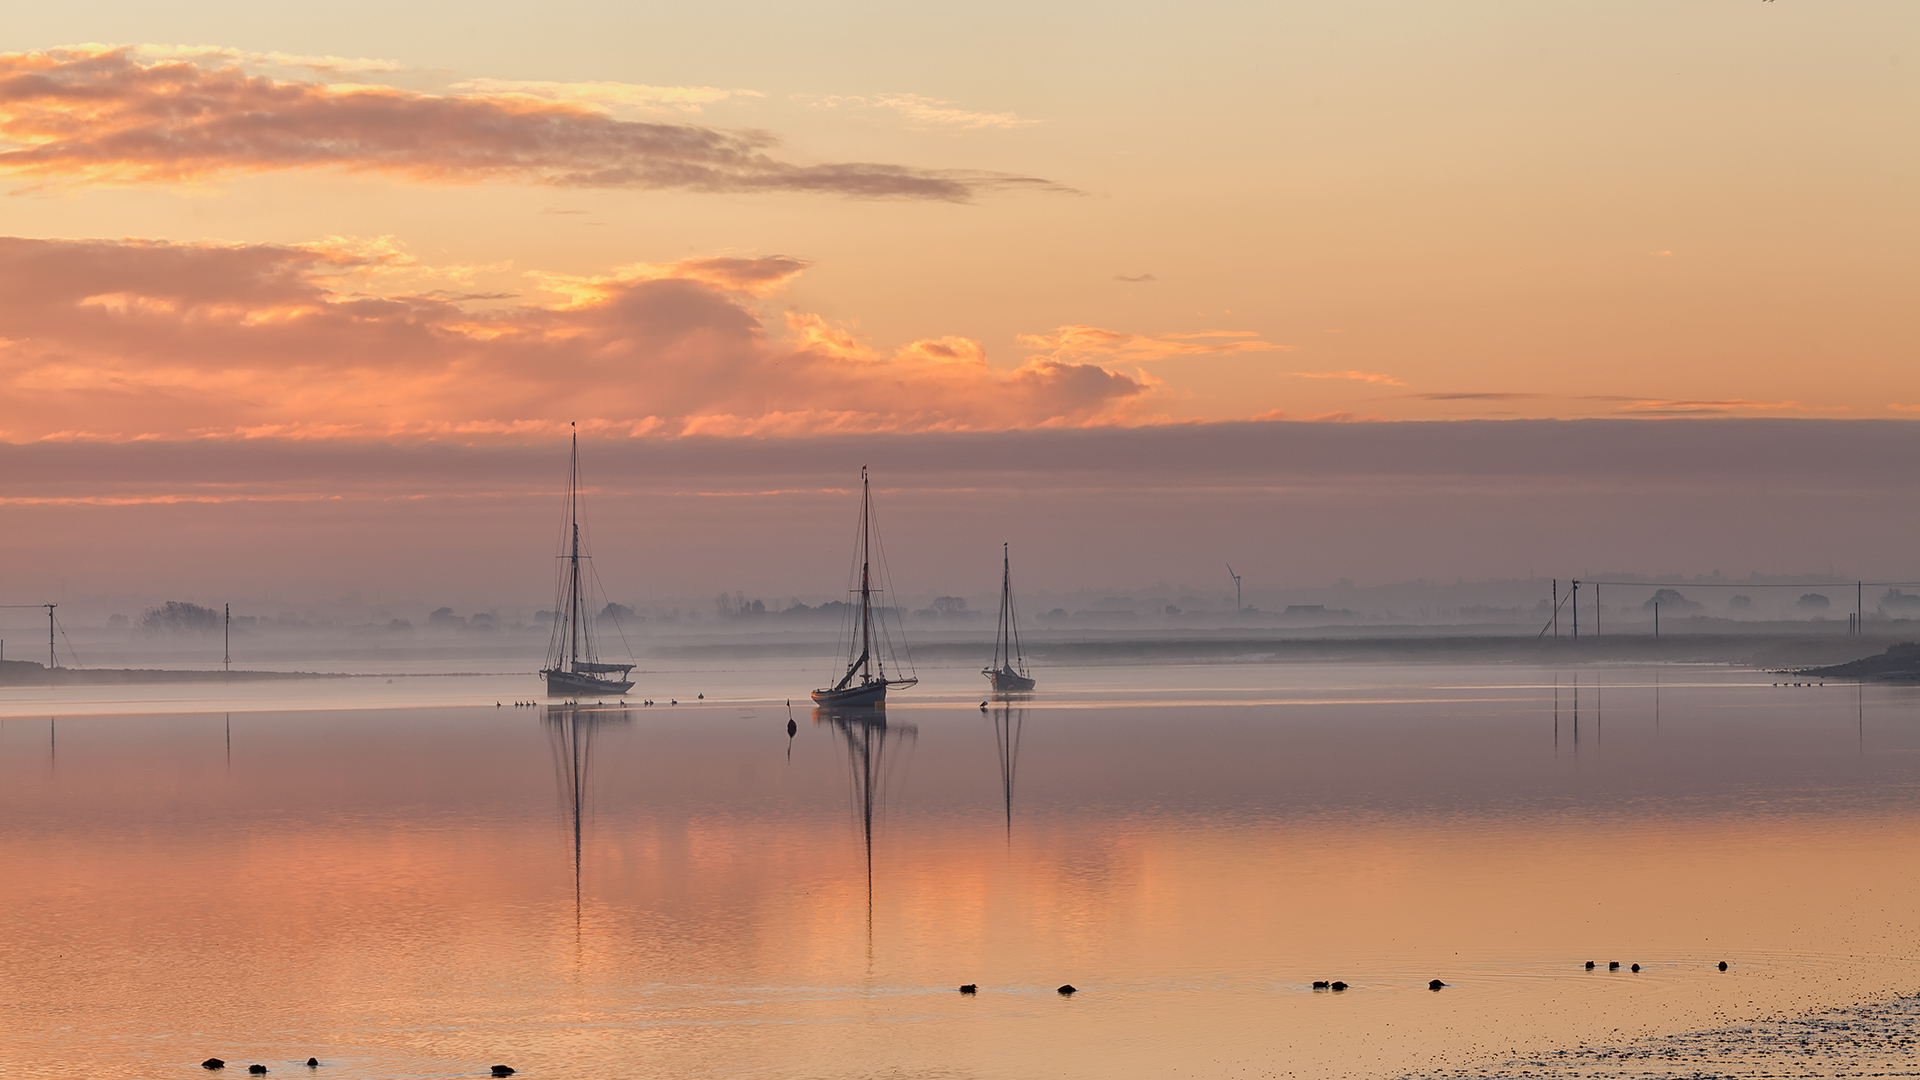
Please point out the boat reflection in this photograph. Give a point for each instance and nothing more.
(867, 735)
(570, 734)
(1007, 724)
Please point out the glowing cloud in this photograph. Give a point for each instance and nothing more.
(633, 95)
(927, 112)
(96, 115)
(1356, 376)
(120, 340)
(1099, 344)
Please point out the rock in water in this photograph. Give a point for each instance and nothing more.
(1068, 989)
(1436, 985)
(213, 1063)
(507, 1070)
(970, 989)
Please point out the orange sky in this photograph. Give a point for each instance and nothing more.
(1656, 210)
(769, 223)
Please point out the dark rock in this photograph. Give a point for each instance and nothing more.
(1068, 989)
(1589, 965)
(1321, 984)
(213, 1063)
(257, 1070)
(1723, 965)
(1337, 986)
(1436, 985)
(1636, 967)
(508, 1070)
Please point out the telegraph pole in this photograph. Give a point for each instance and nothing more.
(226, 642)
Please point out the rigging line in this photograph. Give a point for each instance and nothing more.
(886, 575)
(612, 614)
(1556, 611)
(71, 655)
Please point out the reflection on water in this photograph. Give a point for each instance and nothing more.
(1007, 723)
(570, 729)
(383, 889)
(865, 734)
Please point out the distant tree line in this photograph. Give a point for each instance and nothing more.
(180, 617)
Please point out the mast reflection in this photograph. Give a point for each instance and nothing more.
(866, 734)
(1007, 724)
(570, 734)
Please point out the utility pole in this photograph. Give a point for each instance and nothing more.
(1236, 588)
(1556, 609)
(226, 642)
(1576, 609)
(1656, 618)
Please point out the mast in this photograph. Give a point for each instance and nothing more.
(573, 560)
(1003, 638)
(866, 588)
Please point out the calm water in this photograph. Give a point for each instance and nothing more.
(406, 881)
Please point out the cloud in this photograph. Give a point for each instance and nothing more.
(1477, 396)
(125, 340)
(97, 115)
(1356, 376)
(341, 65)
(926, 112)
(1719, 407)
(1134, 278)
(634, 95)
(1100, 344)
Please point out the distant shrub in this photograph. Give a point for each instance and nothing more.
(1813, 601)
(180, 617)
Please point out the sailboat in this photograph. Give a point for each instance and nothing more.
(865, 681)
(1007, 672)
(574, 668)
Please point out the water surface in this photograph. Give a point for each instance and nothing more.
(425, 884)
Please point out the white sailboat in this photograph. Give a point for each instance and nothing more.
(574, 668)
(865, 681)
(1007, 671)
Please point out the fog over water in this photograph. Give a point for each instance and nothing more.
(348, 530)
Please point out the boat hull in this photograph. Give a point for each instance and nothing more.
(873, 693)
(576, 684)
(1007, 682)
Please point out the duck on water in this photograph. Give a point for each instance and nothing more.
(870, 646)
(574, 668)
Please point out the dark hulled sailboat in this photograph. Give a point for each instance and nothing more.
(1007, 671)
(865, 681)
(574, 668)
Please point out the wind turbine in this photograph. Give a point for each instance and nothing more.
(1236, 588)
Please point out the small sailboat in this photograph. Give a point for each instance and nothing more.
(574, 668)
(1007, 672)
(865, 681)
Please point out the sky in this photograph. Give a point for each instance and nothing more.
(280, 234)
